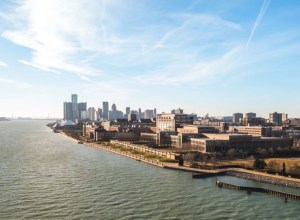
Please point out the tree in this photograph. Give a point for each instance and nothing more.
(259, 164)
(262, 152)
(271, 151)
(231, 152)
(213, 159)
(283, 171)
(189, 157)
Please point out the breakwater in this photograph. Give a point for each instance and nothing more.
(265, 179)
(257, 189)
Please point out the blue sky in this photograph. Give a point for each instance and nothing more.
(215, 56)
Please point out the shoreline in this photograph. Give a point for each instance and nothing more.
(110, 149)
(235, 172)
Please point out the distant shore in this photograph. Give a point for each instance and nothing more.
(236, 172)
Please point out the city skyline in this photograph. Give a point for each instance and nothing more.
(80, 111)
(211, 57)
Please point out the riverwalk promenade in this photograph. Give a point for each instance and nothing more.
(236, 172)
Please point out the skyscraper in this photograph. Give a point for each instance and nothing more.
(100, 113)
(114, 107)
(81, 107)
(148, 114)
(68, 112)
(250, 115)
(132, 117)
(92, 114)
(105, 110)
(73, 110)
(74, 98)
(237, 118)
(127, 110)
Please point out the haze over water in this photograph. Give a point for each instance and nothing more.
(43, 175)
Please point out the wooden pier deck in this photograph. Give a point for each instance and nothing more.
(256, 189)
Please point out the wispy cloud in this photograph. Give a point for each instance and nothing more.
(192, 20)
(184, 72)
(37, 66)
(58, 37)
(258, 20)
(17, 84)
(2, 64)
(95, 43)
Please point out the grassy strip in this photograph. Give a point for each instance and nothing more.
(142, 153)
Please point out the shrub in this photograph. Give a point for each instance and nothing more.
(259, 164)
(273, 166)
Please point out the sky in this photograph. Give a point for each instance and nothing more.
(216, 56)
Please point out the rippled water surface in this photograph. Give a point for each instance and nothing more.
(43, 175)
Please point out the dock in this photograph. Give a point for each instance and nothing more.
(206, 175)
(257, 189)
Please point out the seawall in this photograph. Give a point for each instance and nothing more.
(289, 182)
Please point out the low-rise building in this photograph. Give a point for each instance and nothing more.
(183, 140)
(257, 131)
(246, 143)
(253, 121)
(170, 122)
(197, 129)
(149, 138)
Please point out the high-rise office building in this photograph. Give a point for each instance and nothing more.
(127, 110)
(81, 108)
(100, 113)
(73, 110)
(250, 115)
(148, 114)
(92, 114)
(275, 118)
(113, 115)
(114, 107)
(237, 118)
(105, 110)
(154, 112)
(68, 112)
(140, 115)
(132, 117)
(74, 99)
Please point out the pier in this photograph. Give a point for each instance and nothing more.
(257, 189)
(205, 175)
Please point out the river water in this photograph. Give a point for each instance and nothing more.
(44, 175)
